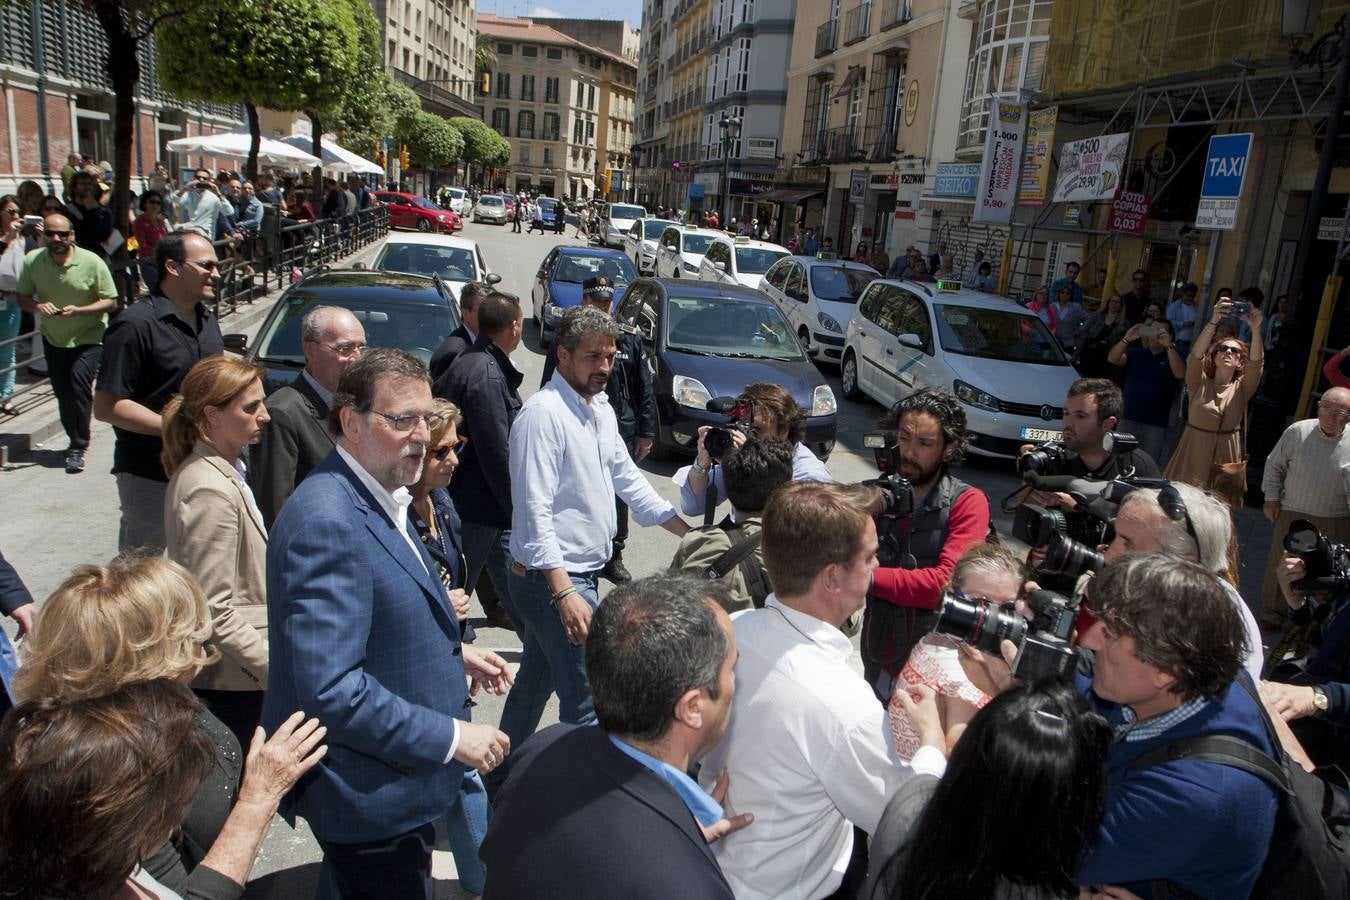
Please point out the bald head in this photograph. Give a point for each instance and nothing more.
(59, 236)
(331, 339)
(1333, 411)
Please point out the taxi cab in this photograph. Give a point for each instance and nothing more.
(817, 294)
(739, 260)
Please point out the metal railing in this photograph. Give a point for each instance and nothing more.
(894, 12)
(249, 268)
(856, 22)
(826, 36)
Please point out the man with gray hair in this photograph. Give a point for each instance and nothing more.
(297, 439)
(1183, 521)
(568, 461)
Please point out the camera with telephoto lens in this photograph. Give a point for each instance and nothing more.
(1065, 556)
(897, 501)
(1044, 648)
(1048, 458)
(1326, 563)
(740, 415)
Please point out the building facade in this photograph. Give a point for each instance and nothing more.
(429, 46)
(652, 159)
(545, 97)
(56, 99)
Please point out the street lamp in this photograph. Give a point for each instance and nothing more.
(731, 131)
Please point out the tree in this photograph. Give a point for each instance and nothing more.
(484, 53)
(264, 54)
(433, 142)
(363, 119)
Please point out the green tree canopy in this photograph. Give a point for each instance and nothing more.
(480, 141)
(433, 142)
(363, 119)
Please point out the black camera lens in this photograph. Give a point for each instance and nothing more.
(979, 623)
(1065, 556)
(717, 442)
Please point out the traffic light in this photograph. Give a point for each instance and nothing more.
(403, 156)
(605, 182)
(379, 155)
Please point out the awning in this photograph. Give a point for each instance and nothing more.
(855, 73)
(791, 195)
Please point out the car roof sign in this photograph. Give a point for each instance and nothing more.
(742, 239)
(827, 254)
(948, 285)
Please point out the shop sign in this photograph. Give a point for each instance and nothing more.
(891, 180)
(743, 187)
(857, 187)
(1001, 170)
(1129, 213)
(1329, 228)
(911, 102)
(1090, 169)
(761, 148)
(1225, 170)
(956, 179)
(1036, 158)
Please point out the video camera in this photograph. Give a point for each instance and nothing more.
(897, 501)
(740, 417)
(1327, 563)
(1051, 457)
(1044, 648)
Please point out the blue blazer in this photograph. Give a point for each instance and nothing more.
(361, 636)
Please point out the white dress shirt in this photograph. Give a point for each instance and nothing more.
(567, 463)
(806, 466)
(810, 753)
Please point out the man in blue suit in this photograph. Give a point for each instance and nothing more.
(362, 636)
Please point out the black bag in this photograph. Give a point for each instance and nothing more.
(741, 554)
(1309, 856)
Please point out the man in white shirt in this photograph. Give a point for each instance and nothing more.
(809, 749)
(567, 462)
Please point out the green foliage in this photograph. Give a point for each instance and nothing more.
(432, 141)
(484, 53)
(283, 54)
(500, 154)
(480, 142)
(362, 120)
(404, 106)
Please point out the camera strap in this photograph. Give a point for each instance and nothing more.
(710, 501)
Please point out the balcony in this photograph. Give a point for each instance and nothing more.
(856, 22)
(841, 144)
(826, 37)
(436, 99)
(879, 142)
(895, 13)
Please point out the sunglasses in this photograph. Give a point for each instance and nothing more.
(1228, 348)
(1169, 498)
(58, 234)
(458, 446)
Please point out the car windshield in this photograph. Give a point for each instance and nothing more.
(416, 327)
(490, 201)
(696, 243)
(451, 263)
(547, 202)
(729, 326)
(838, 283)
(756, 260)
(576, 269)
(623, 211)
(426, 204)
(652, 228)
(997, 334)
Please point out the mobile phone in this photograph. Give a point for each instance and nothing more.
(1240, 308)
(1148, 330)
(32, 220)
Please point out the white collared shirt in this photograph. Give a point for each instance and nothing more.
(810, 753)
(567, 463)
(395, 505)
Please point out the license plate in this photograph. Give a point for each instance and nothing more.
(1040, 434)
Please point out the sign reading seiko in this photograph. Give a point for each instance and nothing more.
(956, 179)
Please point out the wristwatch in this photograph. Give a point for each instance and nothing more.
(702, 470)
(1320, 700)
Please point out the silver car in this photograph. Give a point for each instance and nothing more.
(490, 208)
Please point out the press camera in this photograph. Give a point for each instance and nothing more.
(897, 500)
(740, 417)
(1326, 563)
(1044, 648)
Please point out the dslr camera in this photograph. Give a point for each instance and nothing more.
(1044, 648)
(1327, 563)
(897, 500)
(740, 417)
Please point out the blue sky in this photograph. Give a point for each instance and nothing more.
(580, 9)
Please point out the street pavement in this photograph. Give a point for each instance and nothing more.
(58, 521)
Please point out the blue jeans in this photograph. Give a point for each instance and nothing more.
(549, 661)
(466, 824)
(490, 547)
(9, 329)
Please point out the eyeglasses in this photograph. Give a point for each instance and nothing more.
(347, 348)
(1339, 412)
(58, 234)
(1228, 348)
(408, 421)
(208, 265)
(1169, 498)
(458, 446)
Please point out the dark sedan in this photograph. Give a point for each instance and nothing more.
(410, 312)
(709, 341)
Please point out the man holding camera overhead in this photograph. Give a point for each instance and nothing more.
(923, 535)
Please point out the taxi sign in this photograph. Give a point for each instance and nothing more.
(948, 284)
(827, 254)
(741, 239)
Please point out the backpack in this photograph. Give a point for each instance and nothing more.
(1309, 854)
(741, 555)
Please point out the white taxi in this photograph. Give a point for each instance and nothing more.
(999, 359)
(639, 243)
(817, 294)
(739, 260)
(681, 250)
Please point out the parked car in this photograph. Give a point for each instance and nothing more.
(410, 312)
(490, 208)
(681, 250)
(459, 201)
(456, 260)
(817, 294)
(412, 211)
(640, 241)
(739, 260)
(557, 284)
(708, 341)
(998, 359)
(616, 220)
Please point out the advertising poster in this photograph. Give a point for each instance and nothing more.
(1001, 170)
(1036, 159)
(1090, 169)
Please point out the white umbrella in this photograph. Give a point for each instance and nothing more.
(234, 144)
(335, 157)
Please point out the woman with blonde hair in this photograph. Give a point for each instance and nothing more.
(1221, 377)
(136, 620)
(212, 526)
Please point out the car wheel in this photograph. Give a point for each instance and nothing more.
(659, 452)
(423, 224)
(848, 377)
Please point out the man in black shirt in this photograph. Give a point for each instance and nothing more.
(146, 352)
(1136, 298)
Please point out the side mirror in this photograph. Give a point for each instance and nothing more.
(720, 266)
(236, 343)
(911, 340)
(493, 278)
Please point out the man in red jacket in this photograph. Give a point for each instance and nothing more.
(920, 550)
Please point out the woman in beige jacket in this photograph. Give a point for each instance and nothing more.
(215, 531)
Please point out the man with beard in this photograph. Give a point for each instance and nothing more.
(949, 517)
(568, 461)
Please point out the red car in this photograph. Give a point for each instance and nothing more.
(412, 211)
(510, 200)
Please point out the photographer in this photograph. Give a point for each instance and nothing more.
(919, 550)
(774, 415)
